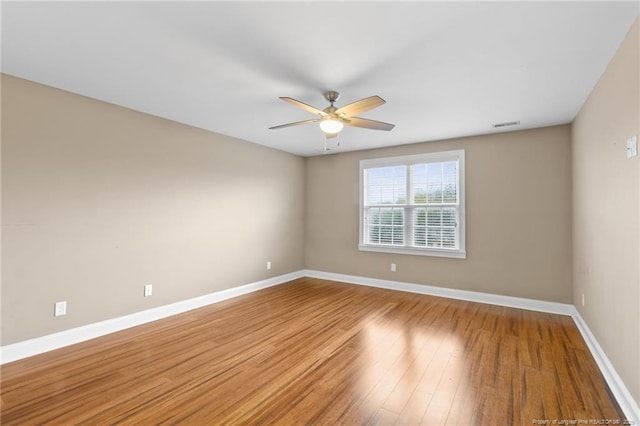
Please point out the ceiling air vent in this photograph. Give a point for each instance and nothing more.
(506, 124)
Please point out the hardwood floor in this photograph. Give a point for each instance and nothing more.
(319, 352)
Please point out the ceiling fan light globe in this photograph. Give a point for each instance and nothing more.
(331, 125)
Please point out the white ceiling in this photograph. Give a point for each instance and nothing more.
(445, 69)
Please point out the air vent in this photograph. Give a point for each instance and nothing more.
(506, 124)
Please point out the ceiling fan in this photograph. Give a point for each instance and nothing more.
(333, 119)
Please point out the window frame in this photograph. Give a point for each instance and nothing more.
(409, 207)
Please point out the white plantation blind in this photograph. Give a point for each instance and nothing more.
(413, 204)
(386, 187)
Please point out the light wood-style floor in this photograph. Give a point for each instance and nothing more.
(319, 352)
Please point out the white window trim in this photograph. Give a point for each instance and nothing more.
(409, 160)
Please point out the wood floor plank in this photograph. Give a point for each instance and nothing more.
(319, 352)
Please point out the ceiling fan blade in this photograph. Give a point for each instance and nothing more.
(360, 106)
(297, 123)
(304, 106)
(368, 124)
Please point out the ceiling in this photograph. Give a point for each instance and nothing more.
(445, 69)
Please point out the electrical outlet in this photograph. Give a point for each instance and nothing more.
(393, 267)
(60, 308)
(268, 265)
(148, 290)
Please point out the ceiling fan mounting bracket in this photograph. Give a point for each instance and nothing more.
(331, 96)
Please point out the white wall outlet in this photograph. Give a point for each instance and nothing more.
(632, 146)
(582, 299)
(148, 290)
(268, 265)
(393, 267)
(60, 308)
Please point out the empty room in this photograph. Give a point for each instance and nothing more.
(327, 213)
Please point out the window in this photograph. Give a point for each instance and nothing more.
(413, 204)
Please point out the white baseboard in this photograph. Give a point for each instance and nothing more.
(620, 392)
(50, 342)
(38, 345)
(617, 386)
(472, 296)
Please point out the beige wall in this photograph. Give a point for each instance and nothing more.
(606, 233)
(518, 214)
(99, 200)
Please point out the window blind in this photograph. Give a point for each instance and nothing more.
(413, 202)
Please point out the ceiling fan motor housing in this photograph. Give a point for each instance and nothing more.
(330, 110)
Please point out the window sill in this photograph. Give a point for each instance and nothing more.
(456, 254)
